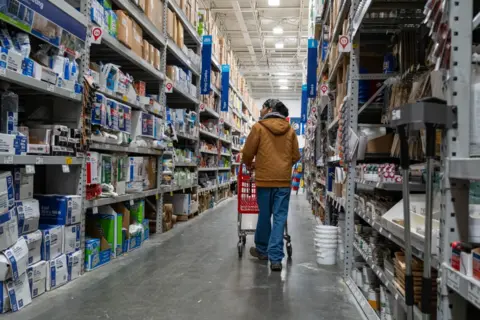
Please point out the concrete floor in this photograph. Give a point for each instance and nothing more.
(193, 272)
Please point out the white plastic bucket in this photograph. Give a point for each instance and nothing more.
(326, 245)
(326, 230)
(327, 256)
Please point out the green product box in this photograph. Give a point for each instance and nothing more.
(105, 224)
(106, 169)
(137, 212)
(119, 242)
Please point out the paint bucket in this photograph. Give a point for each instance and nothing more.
(327, 256)
(326, 242)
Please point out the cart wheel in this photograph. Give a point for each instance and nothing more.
(289, 250)
(244, 239)
(240, 249)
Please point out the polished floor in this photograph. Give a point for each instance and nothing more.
(193, 272)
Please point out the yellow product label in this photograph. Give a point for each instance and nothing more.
(68, 160)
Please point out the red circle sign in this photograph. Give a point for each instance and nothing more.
(96, 33)
(343, 41)
(314, 109)
(169, 86)
(202, 107)
(324, 88)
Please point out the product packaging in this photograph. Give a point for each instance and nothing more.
(71, 238)
(74, 262)
(97, 253)
(28, 216)
(34, 244)
(37, 277)
(60, 209)
(9, 225)
(124, 28)
(142, 124)
(23, 184)
(52, 241)
(19, 293)
(112, 115)
(14, 261)
(57, 274)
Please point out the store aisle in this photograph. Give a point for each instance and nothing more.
(193, 272)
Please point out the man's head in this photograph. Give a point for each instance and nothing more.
(274, 105)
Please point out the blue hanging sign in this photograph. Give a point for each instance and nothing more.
(296, 124)
(304, 104)
(225, 87)
(312, 64)
(206, 65)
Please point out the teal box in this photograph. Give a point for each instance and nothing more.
(95, 258)
(146, 228)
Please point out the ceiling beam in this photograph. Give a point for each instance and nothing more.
(250, 10)
(300, 21)
(243, 27)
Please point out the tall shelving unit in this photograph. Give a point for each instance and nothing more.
(70, 173)
(356, 203)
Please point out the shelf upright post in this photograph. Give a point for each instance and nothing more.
(350, 122)
(456, 144)
(85, 6)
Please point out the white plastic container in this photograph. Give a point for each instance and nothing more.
(327, 256)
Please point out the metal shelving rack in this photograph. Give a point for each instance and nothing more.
(457, 294)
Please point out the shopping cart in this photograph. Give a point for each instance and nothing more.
(247, 204)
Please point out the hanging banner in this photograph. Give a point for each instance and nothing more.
(296, 124)
(225, 87)
(304, 104)
(312, 68)
(206, 65)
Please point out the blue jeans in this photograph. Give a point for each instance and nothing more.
(268, 239)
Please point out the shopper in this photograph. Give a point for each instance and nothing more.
(273, 144)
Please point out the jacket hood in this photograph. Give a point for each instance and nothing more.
(277, 126)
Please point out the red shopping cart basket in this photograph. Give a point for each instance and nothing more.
(247, 192)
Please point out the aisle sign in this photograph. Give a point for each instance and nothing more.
(225, 87)
(202, 107)
(296, 124)
(304, 108)
(344, 44)
(97, 34)
(312, 65)
(168, 86)
(324, 89)
(206, 65)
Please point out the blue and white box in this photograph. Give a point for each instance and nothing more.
(34, 244)
(7, 193)
(142, 124)
(13, 261)
(9, 229)
(60, 209)
(57, 273)
(99, 110)
(4, 298)
(28, 215)
(37, 278)
(71, 238)
(23, 184)
(94, 257)
(19, 293)
(74, 262)
(52, 242)
(112, 114)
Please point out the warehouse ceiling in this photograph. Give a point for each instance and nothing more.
(269, 41)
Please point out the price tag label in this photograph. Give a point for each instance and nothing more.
(30, 169)
(8, 160)
(95, 210)
(65, 168)
(39, 160)
(50, 87)
(396, 296)
(381, 229)
(68, 160)
(453, 280)
(157, 196)
(474, 294)
(132, 202)
(396, 114)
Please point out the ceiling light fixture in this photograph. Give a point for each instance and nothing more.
(283, 88)
(273, 3)
(279, 45)
(283, 80)
(284, 73)
(278, 30)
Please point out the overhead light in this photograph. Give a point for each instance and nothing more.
(278, 30)
(273, 3)
(283, 80)
(283, 88)
(279, 45)
(283, 73)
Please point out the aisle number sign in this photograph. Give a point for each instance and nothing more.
(344, 44)
(168, 86)
(206, 65)
(312, 64)
(303, 115)
(324, 89)
(225, 87)
(97, 34)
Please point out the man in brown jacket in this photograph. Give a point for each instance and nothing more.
(274, 145)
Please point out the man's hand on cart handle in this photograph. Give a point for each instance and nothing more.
(250, 166)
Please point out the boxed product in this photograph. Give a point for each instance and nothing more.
(179, 39)
(94, 169)
(171, 23)
(104, 226)
(146, 228)
(7, 200)
(71, 241)
(142, 124)
(99, 110)
(60, 209)
(151, 55)
(112, 22)
(13, 261)
(74, 262)
(23, 184)
(19, 293)
(150, 165)
(37, 277)
(136, 236)
(146, 50)
(156, 60)
(4, 298)
(9, 227)
(52, 242)
(135, 170)
(106, 161)
(137, 211)
(34, 244)
(181, 204)
(97, 253)
(57, 274)
(137, 38)
(11, 144)
(11, 60)
(28, 216)
(112, 114)
(124, 28)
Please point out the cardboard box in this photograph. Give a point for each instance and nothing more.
(34, 244)
(141, 4)
(57, 274)
(146, 50)
(52, 242)
(124, 28)
(13, 261)
(9, 225)
(19, 293)
(159, 16)
(74, 263)
(28, 216)
(171, 20)
(137, 39)
(181, 204)
(23, 183)
(151, 55)
(107, 226)
(59, 209)
(97, 253)
(179, 36)
(94, 169)
(6, 192)
(150, 169)
(152, 10)
(71, 242)
(156, 59)
(380, 145)
(37, 277)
